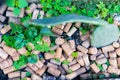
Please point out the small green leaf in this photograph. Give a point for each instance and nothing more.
(16, 11)
(74, 54)
(65, 62)
(28, 74)
(10, 3)
(32, 59)
(69, 71)
(22, 3)
(100, 67)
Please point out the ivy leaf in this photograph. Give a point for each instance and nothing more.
(15, 28)
(46, 31)
(10, 3)
(22, 3)
(65, 62)
(16, 11)
(74, 54)
(32, 59)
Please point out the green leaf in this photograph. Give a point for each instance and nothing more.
(65, 62)
(10, 3)
(69, 71)
(22, 3)
(15, 28)
(74, 54)
(28, 74)
(16, 11)
(46, 31)
(32, 59)
(100, 67)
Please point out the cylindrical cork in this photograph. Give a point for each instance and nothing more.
(74, 67)
(72, 31)
(14, 74)
(5, 29)
(57, 31)
(3, 54)
(58, 53)
(8, 70)
(67, 27)
(68, 50)
(6, 63)
(72, 44)
(59, 41)
(54, 71)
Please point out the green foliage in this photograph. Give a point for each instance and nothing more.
(57, 7)
(24, 59)
(28, 74)
(104, 35)
(57, 60)
(75, 54)
(69, 71)
(65, 62)
(17, 5)
(21, 62)
(100, 67)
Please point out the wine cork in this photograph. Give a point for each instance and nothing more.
(92, 50)
(58, 53)
(21, 15)
(3, 54)
(9, 50)
(85, 36)
(35, 77)
(86, 43)
(73, 62)
(57, 31)
(101, 61)
(33, 66)
(71, 76)
(39, 64)
(118, 51)
(82, 49)
(35, 52)
(68, 50)
(112, 54)
(86, 60)
(74, 67)
(107, 48)
(80, 61)
(5, 29)
(112, 69)
(46, 39)
(8, 70)
(65, 67)
(61, 26)
(22, 51)
(59, 41)
(70, 58)
(54, 71)
(113, 62)
(41, 71)
(55, 62)
(2, 18)
(6, 63)
(115, 44)
(93, 57)
(72, 31)
(67, 27)
(94, 68)
(72, 44)
(32, 7)
(3, 8)
(35, 14)
(48, 56)
(14, 74)
(16, 57)
(80, 71)
(52, 65)
(100, 56)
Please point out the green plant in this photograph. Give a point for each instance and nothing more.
(65, 62)
(24, 59)
(100, 67)
(103, 35)
(57, 7)
(75, 54)
(17, 5)
(69, 71)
